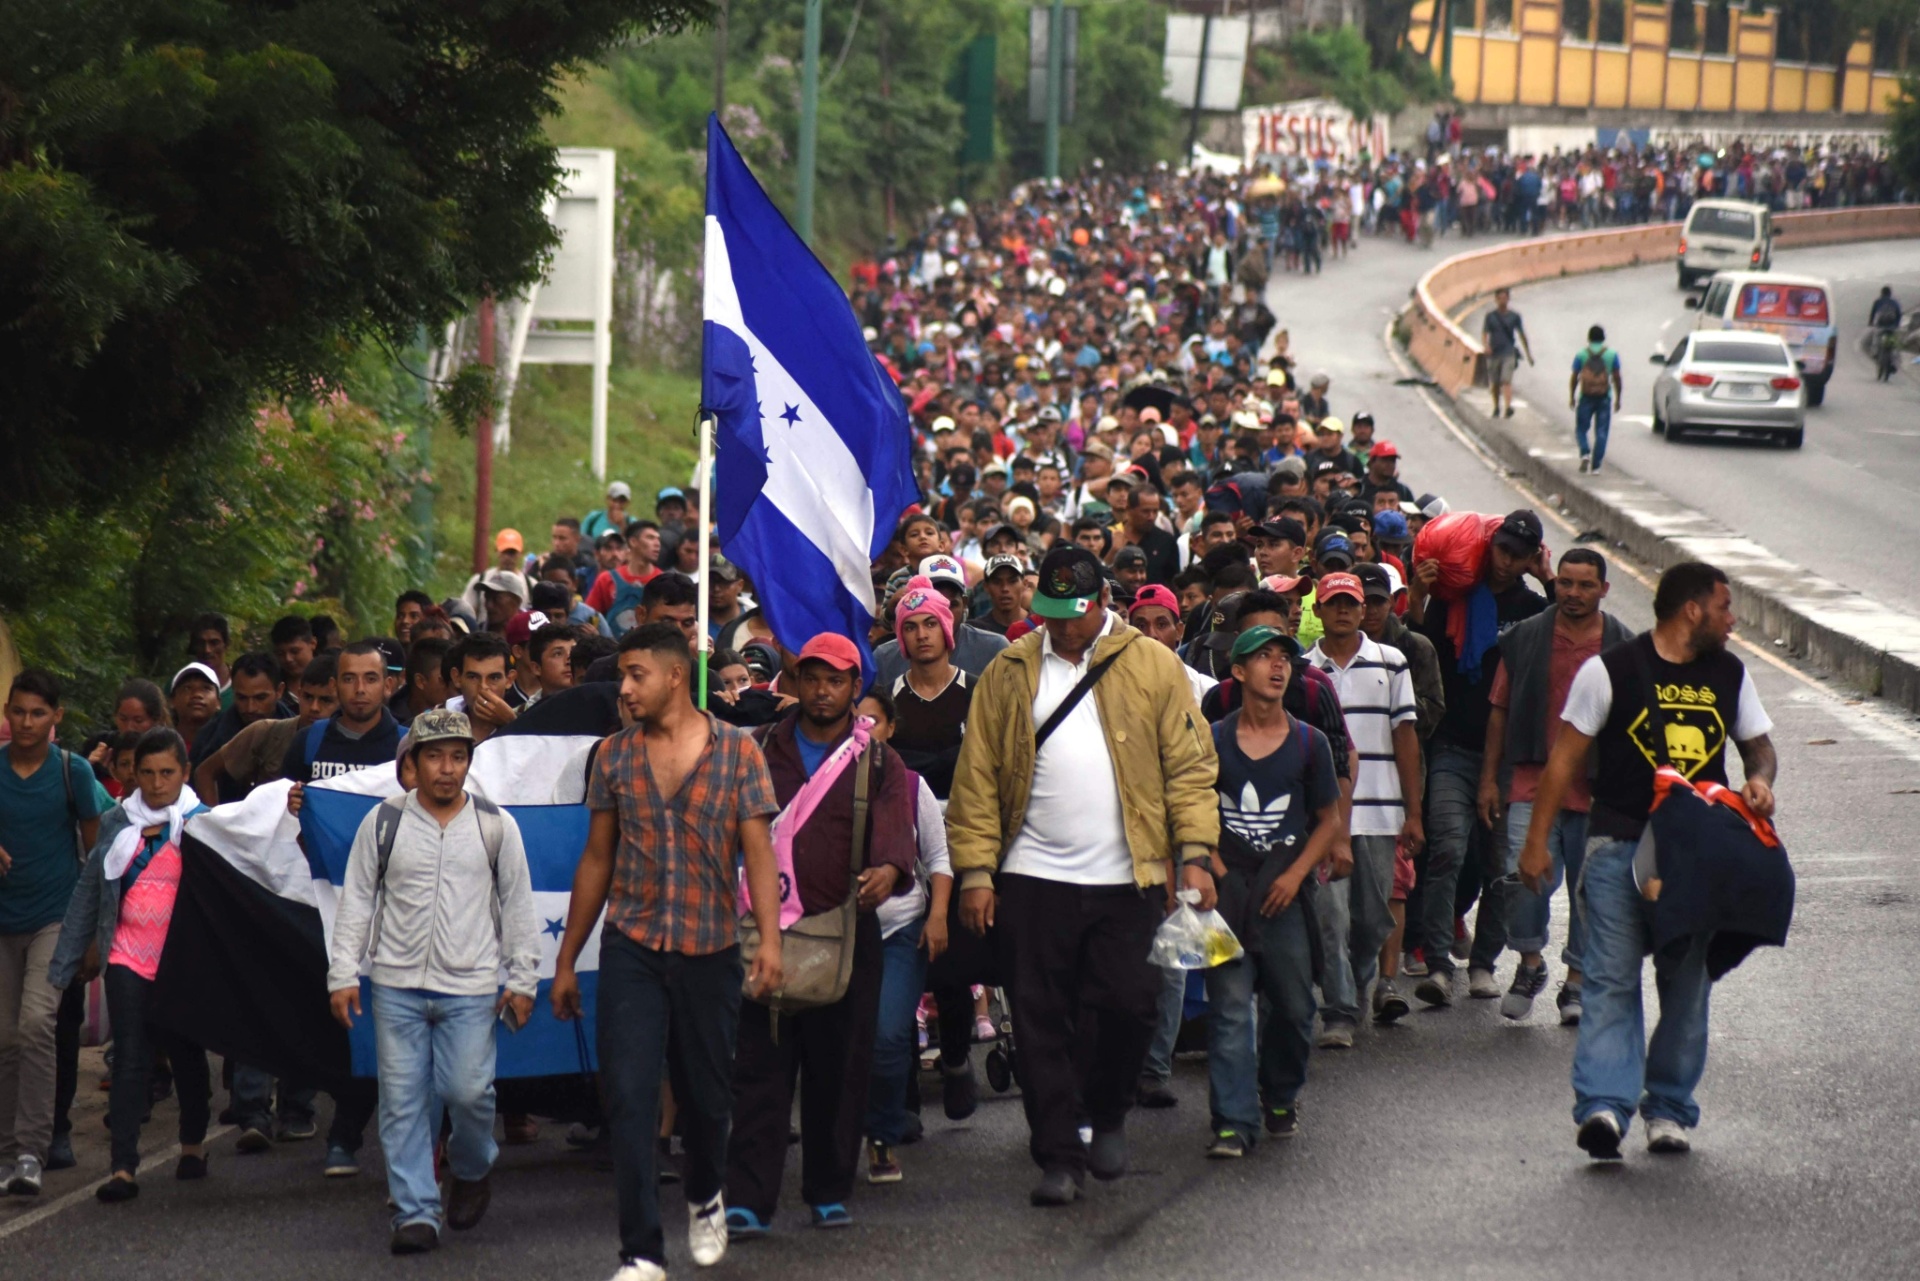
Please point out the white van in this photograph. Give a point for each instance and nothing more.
(1724, 235)
(1798, 308)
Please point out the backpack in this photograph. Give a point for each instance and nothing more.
(386, 829)
(624, 613)
(1595, 374)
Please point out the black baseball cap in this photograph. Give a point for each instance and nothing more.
(1282, 528)
(1520, 534)
(1070, 581)
(1373, 581)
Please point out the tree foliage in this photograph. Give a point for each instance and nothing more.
(1903, 135)
(209, 203)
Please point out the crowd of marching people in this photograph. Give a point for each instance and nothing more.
(1168, 624)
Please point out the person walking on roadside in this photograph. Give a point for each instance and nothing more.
(1705, 696)
(1075, 881)
(1538, 659)
(1505, 337)
(436, 901)
(1594, 395)
(49, 814)
(677, 800)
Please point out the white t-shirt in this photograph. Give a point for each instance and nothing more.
(1376, 694)
(1590, 702)
(903, 910)
(1074, 829)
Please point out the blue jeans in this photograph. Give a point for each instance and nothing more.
(1528, 914)
(665, 1015)
(1238, 1079)
(253, 1100)
(1597, 410)
(1168, 1015)
(1354, 920)
(902, 978)
(1613, 1065)
(1453, 790)
(434, 1052)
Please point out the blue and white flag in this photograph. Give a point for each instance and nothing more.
(813, 461)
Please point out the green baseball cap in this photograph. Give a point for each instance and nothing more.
(1255, 639)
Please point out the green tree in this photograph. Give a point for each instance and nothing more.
(1120, 117)
(208, 203)
(1903, 136)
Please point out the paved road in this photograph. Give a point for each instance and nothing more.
(1439, 1148)
(1838, 504)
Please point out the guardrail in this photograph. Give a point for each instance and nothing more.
(1453, 358)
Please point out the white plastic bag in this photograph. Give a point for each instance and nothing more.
(1190, 939)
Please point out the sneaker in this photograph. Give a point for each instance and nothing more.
(1056, 1188)
(25, 1180)
(414, 1238)
(830, 1216)
(1667, 1136)
(252, 1139)
(1529, 981)
(341, 1164)
(190, 1167)
(1227, 1145)
(1462, 941)
(467, 1202)
(1586, 464)
(1283, 1123)
(1596, 468)
(959, 1091)
(1335, 1036)
(59, 1154)
(1157, 1096)
(114, 1191)
(707, 1231)
(1481, 985)
(744, 1225)
(1414, 964)
(1436, 989)
(1107, 1154)
(640, 1270)
(1569, 1002)
(1388, 1005)
(881, 1165)
(296, 1131)
(1599, 1136)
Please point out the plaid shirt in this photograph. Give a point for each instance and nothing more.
(675, 867)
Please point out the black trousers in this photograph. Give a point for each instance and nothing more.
(1074, 959)
(828, 1053)
(134, 1040)
(66, 1055)
(969, 959)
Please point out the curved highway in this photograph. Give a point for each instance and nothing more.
(1847, 505)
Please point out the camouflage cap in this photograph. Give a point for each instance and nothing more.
(437, 725)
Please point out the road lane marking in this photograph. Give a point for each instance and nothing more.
(75, 1197)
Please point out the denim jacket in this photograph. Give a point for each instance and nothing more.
(93, 913)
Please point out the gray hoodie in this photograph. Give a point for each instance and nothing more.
(436, 926)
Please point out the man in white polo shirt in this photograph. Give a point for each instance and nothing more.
(1086, 772)
(1376, 694)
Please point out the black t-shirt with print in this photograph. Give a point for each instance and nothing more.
(340, 751)
(927, 731)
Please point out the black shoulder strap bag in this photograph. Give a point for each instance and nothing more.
(1072, 700)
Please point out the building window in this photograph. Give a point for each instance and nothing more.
(1613, 21)
(1576, 18)
(1719, 27)
(1499, 15)
(1681, 30)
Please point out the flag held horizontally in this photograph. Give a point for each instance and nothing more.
(813, 463)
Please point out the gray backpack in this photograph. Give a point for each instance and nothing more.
(386, 828)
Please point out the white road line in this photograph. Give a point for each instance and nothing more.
(78, 1195)
(1870, 721)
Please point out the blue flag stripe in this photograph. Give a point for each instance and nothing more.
(553, 834)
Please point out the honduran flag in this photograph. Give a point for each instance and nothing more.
(244, 971)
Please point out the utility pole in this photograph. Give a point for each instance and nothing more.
(1199, 86)
(809, 121)
(1056, 71)
(483, 452)
(720, 60)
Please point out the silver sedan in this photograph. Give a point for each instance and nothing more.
(1740, 382)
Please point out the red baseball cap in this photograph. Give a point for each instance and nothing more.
(1383, 449)
(1283, 583)
(1332, 585)
(834, 650)
(520, 628)
(1154, 594)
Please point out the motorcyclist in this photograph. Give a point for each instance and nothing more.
(1884, 317)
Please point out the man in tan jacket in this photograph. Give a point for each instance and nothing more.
(1087, 771)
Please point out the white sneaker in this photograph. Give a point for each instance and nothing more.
(707, 1231)
(25, 1180)
(1481, 985)
(640, 1270)
(1667, 1136)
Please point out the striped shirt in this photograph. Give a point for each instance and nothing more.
(1376, 694)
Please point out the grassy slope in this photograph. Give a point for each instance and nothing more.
(650, 439)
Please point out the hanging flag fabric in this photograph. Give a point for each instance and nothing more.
(813, 453)
(245, 965)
